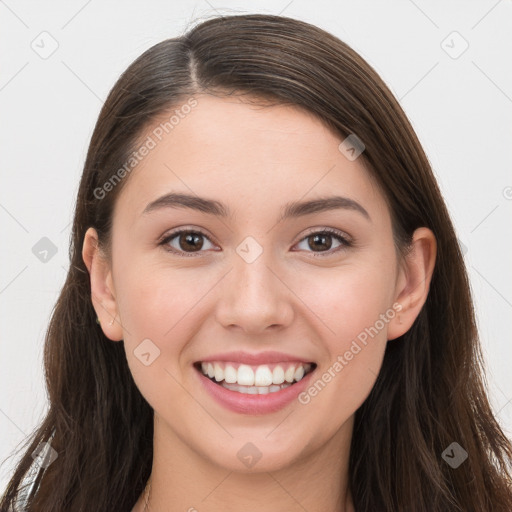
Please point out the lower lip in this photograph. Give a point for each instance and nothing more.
(254, 404)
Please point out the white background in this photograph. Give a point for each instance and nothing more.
(460, 107)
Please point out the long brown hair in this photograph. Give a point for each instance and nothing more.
(430, 391)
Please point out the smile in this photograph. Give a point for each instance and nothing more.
(255, 379)
(254, 389)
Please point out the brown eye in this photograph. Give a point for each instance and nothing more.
(190, 241)
(322, 241)
(185, 241)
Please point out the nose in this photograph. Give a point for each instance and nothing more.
(254, 297)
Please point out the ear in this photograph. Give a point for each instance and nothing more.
(102, 286)
(413, 281)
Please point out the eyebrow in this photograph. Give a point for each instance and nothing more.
(289, 210)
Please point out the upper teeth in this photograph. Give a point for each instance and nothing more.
(262, 375)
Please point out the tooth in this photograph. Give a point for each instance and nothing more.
(263, 390)
(230, 374)
(278, 375)
(289, 373)
(219, 372)
(245, 375)
(263, 376)
(253, 389)
(299, 373)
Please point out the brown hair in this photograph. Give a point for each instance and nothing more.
(430, 391)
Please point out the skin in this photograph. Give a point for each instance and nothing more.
(254, 160)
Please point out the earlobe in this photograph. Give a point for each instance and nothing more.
(413, 283)
(102, 287)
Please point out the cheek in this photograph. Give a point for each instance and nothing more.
(155, 301)
(353, 306)
(348, 299)
(155, 304)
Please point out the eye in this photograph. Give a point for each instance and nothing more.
(187, 242)
(323, 239)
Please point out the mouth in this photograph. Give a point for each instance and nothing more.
(254, 379)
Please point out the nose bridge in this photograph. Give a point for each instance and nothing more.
(254, 277)
(254, 284)
(253, 297)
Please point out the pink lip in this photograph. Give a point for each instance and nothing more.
(253, 404)
(254, 359)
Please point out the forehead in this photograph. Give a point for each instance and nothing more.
(245, 155)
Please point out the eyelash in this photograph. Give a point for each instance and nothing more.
(327, 231)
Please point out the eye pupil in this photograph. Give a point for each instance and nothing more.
(321, 237)
(190, 239)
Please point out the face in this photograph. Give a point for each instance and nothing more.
(252, 289)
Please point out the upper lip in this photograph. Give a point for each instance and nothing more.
(254, 359)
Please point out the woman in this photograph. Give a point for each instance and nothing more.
(266, 304)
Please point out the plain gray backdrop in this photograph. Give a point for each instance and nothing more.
(446, 62)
